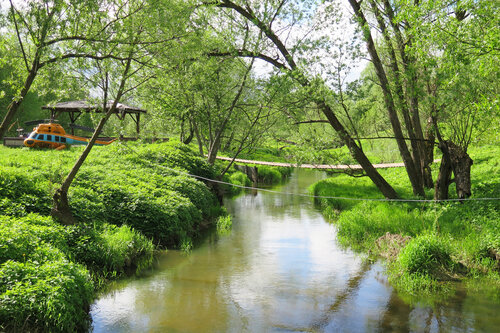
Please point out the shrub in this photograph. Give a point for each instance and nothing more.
(126, 248)
(109, 250)
(52, 296)
(32, 237)
(240, 178)
(19, 188)
(269, 175)
(426, 255)
(224, 224)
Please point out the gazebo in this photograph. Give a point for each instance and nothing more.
(76, 108)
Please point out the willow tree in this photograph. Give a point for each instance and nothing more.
(424, 62)
(260, 19)
(139, 40)
(50, 32)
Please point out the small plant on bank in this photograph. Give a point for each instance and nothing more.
(224, 224)
(424, 265)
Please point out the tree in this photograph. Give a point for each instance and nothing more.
(50, 31)
(259, 20)
(139, 42)
(427, 49)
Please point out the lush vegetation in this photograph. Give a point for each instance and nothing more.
(199, 68)
(427, 244)
(129, 200)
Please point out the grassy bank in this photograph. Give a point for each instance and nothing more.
(428, 245)
(129, 199)
(267, 175)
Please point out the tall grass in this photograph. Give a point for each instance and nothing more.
(457, 240)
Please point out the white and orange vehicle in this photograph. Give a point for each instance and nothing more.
(54, 136)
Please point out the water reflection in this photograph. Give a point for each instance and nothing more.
(280, 269)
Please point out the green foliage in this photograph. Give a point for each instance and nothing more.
(239, 178)
(32, 237)
(423, 266)
(125, 197)
(364, 223)
(21, 189)
(51, 296)
(269, 175)
(39, 287)
(450, 240)
(108, 250)
(224, 224)
(426, 254)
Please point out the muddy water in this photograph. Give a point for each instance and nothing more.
(280, 269)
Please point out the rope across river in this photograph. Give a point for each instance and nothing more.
(304, 194)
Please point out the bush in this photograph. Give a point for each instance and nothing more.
(32, 237)
(224, 224)
(19, 188)
(53, 296)
(109, 251)
(269, 175)
(240, 178)
(427, 255)
(39, 288)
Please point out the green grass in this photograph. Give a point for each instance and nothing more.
(128, 199)
(448, 240)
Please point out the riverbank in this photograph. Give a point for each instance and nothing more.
(428, 245)
(131, 200)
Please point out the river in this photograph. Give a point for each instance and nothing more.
(280, 269)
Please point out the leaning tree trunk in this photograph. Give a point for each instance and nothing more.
(61, 210)
(411, 169)
(14, 105)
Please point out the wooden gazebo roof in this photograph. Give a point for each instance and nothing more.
(75, 109)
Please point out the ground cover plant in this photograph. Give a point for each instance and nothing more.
(427, 244)
(129, 200)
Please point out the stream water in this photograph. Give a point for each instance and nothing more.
(279, 270)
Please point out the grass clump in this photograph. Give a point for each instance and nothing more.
(364, 223)
(224, 223)
(423, 266)
(426, 255)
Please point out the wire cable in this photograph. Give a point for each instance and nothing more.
(307, 195)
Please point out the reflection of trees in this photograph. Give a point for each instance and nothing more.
(396, 317)
(353, 285)
(445, 316)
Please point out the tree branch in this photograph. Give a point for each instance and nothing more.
(247, 54)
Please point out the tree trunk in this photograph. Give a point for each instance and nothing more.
(411, 169)
(355, 150)
(14, 105)
(214, 149)
(461, 164)
(61, 210)
(456, 160)
(428, 154)
(443, 180)
(198, 138)
(358, 153)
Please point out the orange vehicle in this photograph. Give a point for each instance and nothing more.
(54, 136)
